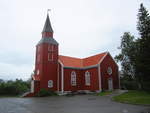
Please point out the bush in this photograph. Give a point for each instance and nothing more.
(44, 92)
(16, 87)
(146, 86)
(134, 97)
(129, 84)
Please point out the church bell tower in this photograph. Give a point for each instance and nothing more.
(46, 62)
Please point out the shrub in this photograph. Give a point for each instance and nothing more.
(44, 92)
(130, 85)
(146, 85)
(16, 87)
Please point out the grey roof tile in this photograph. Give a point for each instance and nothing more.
(47, 26)
(48, 40)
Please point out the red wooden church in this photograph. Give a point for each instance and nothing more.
(65, 74)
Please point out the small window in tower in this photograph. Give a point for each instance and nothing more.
(87, 78)
(50, 47)
(38, 58)
(73, 78)
(50, 56)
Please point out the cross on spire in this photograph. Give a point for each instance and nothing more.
(48, 10)
(47, 26)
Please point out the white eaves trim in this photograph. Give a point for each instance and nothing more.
(103, 58)
(99, 71)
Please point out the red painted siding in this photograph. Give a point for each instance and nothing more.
(48, 69)
(67, 80)
(94, 80)
(80, 78)
(109, 62)
(36, 86)
(60, 77)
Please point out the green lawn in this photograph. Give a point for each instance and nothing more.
(103, 93)
(134, 97)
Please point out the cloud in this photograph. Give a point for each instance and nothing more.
(82, 28)
(10, 71)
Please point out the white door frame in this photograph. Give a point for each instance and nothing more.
(32, 86)
(110, 84)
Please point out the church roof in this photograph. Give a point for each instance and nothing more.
(70, 61)
(47, 26)
(81, 63)
(48, 41)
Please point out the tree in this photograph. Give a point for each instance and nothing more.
(142, 66)
(16, 87)
(127, 55)
(135, 54)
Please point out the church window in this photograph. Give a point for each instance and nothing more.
(50, 83)
(87, 78)
(50, 56)
(73, 78)
(109, 70)
(50, 47)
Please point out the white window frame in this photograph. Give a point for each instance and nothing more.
(50, 58)
(50, 47)
(32, 86)
(109, 70)
(87, 78)
(50, 83)
(73, 78)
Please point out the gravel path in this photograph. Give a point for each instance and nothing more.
(71, 104)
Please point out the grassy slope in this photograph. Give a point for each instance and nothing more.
(104, 93)
(134, 97)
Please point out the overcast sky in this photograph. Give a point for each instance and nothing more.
(81, 27)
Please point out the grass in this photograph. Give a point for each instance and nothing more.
(134, 97)
(104, 93)
(7, 96)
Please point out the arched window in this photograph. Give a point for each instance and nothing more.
(50, 83)
(50, 47)
(73, 78)
(50, 56)
(87, 78)
(109, 70)
(50, 52)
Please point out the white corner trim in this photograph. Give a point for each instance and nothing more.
(62, 76)
(61, 63)
(99, 78)
(103, 58)
(32, 76)
(58, 77)
(62, 79)
(99, 71)
(113, 59)
(32, 86)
